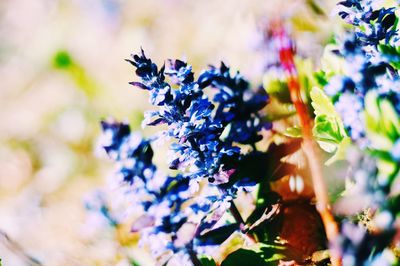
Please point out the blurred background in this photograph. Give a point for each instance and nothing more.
(62, 70)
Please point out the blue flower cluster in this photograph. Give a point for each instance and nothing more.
(374, 23)
(359, 245)
(159, 196)
(206, 139)
(206, 132)
(365, 69)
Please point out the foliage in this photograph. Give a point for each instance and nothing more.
(214, 125)
(328, 129)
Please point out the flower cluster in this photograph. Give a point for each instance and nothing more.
(365, 68)
(362, 244)
(374, 23)
(206, 137)
(369, 86)
(205, 132)
(160, 197)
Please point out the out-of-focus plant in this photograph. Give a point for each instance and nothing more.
(227, 145)
(365, 93)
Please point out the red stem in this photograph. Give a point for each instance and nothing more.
(309, 146)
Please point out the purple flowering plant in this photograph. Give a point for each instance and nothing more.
(213, 156)
(213, 125)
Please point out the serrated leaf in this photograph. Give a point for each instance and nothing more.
(328, 129)
(322, 104)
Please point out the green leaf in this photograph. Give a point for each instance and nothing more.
(272, 253)
(382, 122)
(340, 153)
(394, 204)
(328, 129)
(321, 78)
(293, 132)
(390, 119)
(245, 257)
(322, 104)
(279, 114)
(306, 78)
(207, 261)
(132, 262)
(277, 88)
(383, 155)
(391, 53)
(261, 255)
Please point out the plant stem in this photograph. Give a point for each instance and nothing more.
(193, 258)
(309, 146)
(235, 213)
